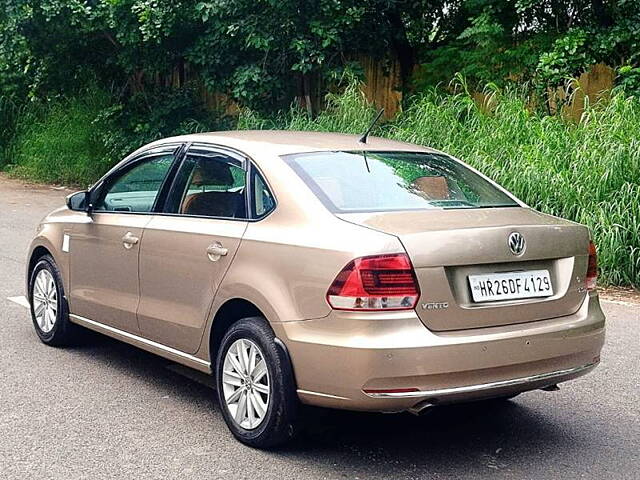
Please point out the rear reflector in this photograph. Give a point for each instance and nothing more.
(592, 269)
(392, 390)
(380, 282)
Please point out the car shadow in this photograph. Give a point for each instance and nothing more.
(491, 435)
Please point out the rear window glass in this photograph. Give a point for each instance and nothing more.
(387, 181)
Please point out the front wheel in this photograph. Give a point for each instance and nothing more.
(255, 385)
(48, 305)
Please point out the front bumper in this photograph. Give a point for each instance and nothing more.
(337, 358)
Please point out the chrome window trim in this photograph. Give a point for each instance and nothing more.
(182, 147)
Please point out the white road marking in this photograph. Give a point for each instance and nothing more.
(21, 300)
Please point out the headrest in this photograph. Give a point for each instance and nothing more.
(212, 172)
(436, 188)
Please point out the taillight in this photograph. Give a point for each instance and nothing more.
(380, 282)
(592, 268)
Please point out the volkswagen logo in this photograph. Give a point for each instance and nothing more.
(516, 243)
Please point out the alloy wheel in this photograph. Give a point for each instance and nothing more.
(245, 383)
(45, 300)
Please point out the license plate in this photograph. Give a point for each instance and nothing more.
(509, 286)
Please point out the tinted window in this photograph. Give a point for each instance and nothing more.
(209, 184)
(384, 181)
(137, 188)
(263, 201)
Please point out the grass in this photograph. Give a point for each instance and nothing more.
(589, 173)
(58, 143)
(10, 112)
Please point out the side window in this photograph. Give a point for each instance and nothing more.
(262, 199)
(209, 184)
(137, 188)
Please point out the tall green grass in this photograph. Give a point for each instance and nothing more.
(589, 172)
(74, 140)
(59, 142)
(10, 112)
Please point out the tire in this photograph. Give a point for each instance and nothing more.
(278, 423)
(51, 321)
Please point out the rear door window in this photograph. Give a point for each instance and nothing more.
(209, 184)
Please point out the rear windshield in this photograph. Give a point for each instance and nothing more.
(387, 181)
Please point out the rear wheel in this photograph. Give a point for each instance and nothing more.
(256, 390)
(49, 310)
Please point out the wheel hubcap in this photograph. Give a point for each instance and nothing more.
(45, 300)
(245, 384)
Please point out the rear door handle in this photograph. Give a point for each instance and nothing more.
(215, 251)
(129, 240)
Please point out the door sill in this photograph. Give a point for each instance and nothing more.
(144, 343)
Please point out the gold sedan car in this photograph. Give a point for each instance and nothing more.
(314, 268)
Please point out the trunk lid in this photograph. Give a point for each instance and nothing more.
(446, 246)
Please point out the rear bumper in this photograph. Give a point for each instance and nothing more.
(337, 358)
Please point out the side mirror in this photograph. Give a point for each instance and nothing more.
(79, 202)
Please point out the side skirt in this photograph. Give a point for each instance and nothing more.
(145, 344)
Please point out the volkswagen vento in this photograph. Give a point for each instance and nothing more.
(320, 269)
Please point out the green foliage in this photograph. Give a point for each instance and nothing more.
(542, 42)
(263, 53)
(9, 114)
(347, 112)
(260, 53)
(75, 140)
(151, 115)
(629, 79)
(588, 172)
(569, 54)
(59, 142)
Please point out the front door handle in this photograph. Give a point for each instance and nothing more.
(129, 240)
(215, 251)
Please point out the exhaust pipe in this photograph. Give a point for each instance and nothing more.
(420, 408)
(551, 388)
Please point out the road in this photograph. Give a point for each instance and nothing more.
(107, 410)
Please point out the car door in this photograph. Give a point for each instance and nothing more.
(188, 249)
(104, 249)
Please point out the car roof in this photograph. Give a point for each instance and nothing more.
(286, 142)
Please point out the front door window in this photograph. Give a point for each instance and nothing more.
(136, 190)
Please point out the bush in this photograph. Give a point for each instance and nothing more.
(154, 114)
(347, 112)
(60, 142)
(588, 172)
(76, 140)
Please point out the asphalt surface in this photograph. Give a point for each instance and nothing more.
(108, 410)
